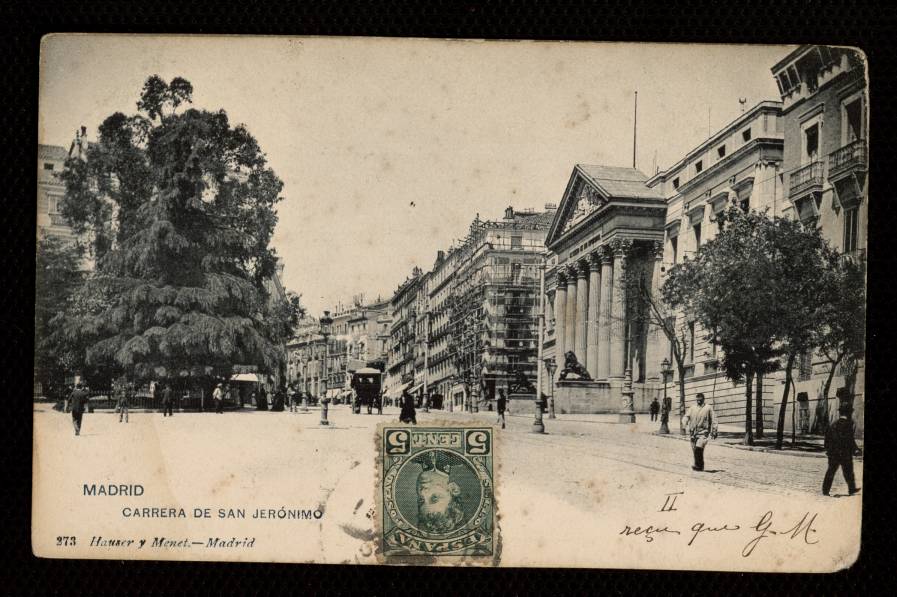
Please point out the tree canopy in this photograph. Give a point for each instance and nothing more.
(180, 207)
(761, 285)
(58, 275)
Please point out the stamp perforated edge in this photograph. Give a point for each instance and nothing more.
(447, 560)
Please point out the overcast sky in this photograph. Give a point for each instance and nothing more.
(388, 148)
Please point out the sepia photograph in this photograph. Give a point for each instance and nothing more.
(432, 302)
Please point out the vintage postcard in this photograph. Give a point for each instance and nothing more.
(431, 302)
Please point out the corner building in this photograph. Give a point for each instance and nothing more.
(825, 111)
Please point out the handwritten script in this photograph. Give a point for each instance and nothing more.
(767, 526)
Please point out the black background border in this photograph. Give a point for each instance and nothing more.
(760, 21)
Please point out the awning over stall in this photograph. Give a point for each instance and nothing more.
(246, 377)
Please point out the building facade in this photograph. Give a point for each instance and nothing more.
(494, 304)
(740, 164)
(609, 225)
(402, 337)
(440, 363)
(825, 114)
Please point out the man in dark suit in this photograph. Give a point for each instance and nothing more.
(78, 401)
(501, 405)
(840, 447)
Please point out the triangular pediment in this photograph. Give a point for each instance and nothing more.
(581, 199)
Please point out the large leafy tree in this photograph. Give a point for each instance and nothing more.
(58, 276)
(757, 285)
(180, 207)
(842, 338)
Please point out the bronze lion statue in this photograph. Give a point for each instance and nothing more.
(572, 365)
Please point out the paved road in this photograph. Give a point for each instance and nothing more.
(564, 496)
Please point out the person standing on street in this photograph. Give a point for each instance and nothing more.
(167, 401)
(501, 404)
(700, 420)
(408, 414)
(78, 401)
(124, 397)
(840, 446)
(218, 397)
(654, 409)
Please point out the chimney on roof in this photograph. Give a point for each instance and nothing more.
(509, 213)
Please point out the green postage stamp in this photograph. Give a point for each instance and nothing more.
(437, 494)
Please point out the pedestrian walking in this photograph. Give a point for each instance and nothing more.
(700, 420)
(291, 399)
(840, 446)
(218, 397)
(78, 401)
(123, 391)
(501, 404)
(408, 413)
(167, 401)
(654, 409)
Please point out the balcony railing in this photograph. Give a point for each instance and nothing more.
(807, 178)
(850, 157)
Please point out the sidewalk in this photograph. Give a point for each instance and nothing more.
(730, 436)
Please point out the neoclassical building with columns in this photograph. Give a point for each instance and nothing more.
(609, 228)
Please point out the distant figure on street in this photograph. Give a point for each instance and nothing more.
(654, 409)
(408, 413)
(292, 399)
(700, 420)
(501, 404)
(378, 404)
(167, 401)
(262, 399)
(218, 397)
(78, 401)
(277, 403)
(123, 390)
(840, 446)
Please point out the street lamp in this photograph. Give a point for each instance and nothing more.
(326, 323)
(538, 424)
(551, 366)
(665, 370)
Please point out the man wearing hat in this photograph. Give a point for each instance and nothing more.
(439, 506)
(840, 447)
(218, 397)
(700, 420)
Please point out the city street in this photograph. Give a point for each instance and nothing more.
(565, 498)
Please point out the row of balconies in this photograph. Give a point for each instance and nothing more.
(850, 158)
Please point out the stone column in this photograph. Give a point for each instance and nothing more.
(618, 327)
(655, 342)
(582, 315)
(570, 329)
(604, 313)
(560, 314)
(592, 333)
